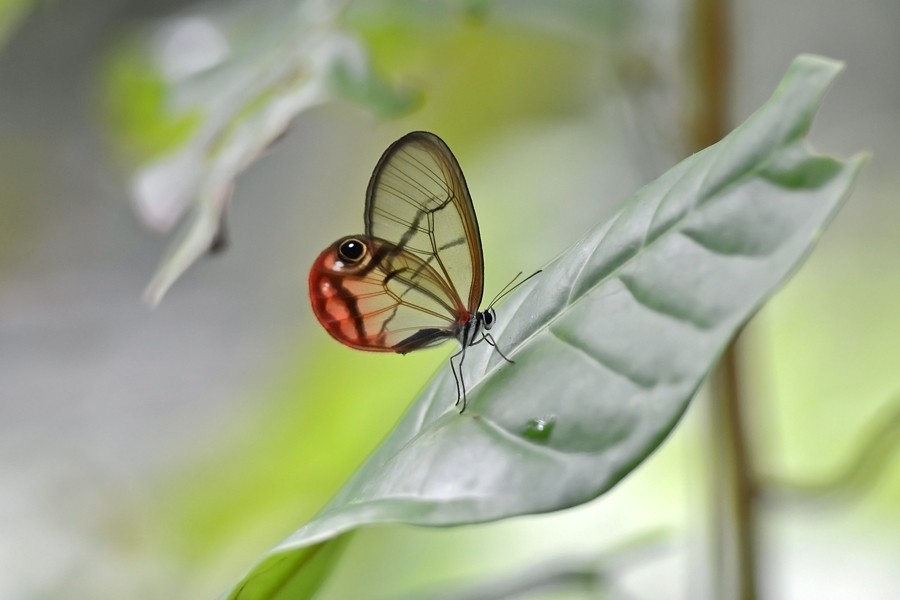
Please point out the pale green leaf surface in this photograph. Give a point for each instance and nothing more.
(610, 342)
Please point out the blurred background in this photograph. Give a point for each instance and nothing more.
(157, 453)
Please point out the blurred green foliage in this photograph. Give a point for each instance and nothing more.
(137, 106)
(283, 463)
(471, 72)
(11, 13)
(811, 418)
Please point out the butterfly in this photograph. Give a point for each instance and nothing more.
(415, 278)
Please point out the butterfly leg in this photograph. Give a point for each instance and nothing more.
(490, 340)
(460, 391)
(461, 382)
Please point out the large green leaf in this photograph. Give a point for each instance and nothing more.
(611, 341)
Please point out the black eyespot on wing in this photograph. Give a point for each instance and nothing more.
(351, 250)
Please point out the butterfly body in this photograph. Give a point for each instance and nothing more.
(416, 277)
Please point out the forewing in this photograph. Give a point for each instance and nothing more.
(418, 200)
(392, 302)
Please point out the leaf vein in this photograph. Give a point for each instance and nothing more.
(660, 308)
(604, 362)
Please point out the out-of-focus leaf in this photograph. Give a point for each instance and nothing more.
(611, 341)
(199, 97)
(11, 13)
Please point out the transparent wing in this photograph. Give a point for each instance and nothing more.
(418, 201)
(391, 300)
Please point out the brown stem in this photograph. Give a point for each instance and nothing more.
(734, 526)
(711, 56)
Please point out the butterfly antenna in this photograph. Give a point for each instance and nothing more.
(509, 287)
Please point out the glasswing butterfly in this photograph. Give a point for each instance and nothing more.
(416, 277)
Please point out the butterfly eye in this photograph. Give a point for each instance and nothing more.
(489, 316)
(351, 250)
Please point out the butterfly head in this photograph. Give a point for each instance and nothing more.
(488, 318)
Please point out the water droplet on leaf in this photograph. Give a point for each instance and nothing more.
(539, 428)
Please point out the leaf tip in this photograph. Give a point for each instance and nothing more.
(821, 61)
(817, 71)
(156, 289)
